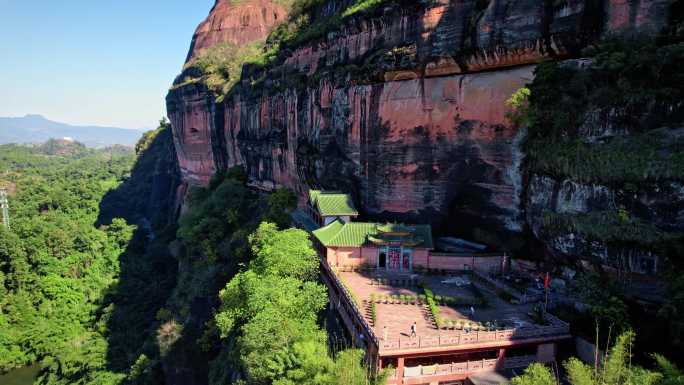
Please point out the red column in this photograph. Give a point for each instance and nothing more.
(400, 370)
(501, 358)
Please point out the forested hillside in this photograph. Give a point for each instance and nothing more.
(55, 265)
(80, 285)
(102, 284)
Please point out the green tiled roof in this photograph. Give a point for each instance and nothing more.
(326, 234)
(357, 234)
(332, 203)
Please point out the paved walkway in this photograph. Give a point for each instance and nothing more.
(398, 318)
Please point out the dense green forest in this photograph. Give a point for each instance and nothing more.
(80, 284)
(55, 265)
(102, 285)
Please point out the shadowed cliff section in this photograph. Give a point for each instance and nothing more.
(151, 194)
(149, 198)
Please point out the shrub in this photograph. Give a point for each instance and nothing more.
(374, 313)
(434, 309)
(221, 65)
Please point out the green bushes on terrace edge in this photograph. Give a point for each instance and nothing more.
(432, 305)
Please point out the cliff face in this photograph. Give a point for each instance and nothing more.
(403, 148)
(657, 205)
(404, 109)
(236, 22)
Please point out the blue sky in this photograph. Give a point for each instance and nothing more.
(104, 62)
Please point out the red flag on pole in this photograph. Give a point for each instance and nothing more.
(547, 281)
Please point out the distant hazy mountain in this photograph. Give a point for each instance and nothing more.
(37, 129)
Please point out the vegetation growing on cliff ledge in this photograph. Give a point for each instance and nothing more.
(221, 67)
(630, 88)
(606, 226)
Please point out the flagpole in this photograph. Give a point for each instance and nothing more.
(546, 303)
(547, 283)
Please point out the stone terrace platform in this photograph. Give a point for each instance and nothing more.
(512, 321)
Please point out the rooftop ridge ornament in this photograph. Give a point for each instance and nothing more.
(4, 205)
(396, 229)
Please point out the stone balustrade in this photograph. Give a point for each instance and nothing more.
(555, 327)
(455, 368)
(349, 303)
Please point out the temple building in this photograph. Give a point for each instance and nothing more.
(389, 247)
(428, 317)
(326, 207)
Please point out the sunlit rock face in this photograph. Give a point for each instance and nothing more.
(405, 149)
(237, 22)
(195, 117)
(405, 110)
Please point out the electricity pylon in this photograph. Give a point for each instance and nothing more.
(4, 205)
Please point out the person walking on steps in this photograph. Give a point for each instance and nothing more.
(413, 329)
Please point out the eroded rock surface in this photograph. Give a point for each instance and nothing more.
(237, 22)
(405, 109)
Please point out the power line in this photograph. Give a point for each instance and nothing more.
(4, 205)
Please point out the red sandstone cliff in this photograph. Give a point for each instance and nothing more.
(404, 110)
(237, 22)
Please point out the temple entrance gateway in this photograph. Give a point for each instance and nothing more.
(407, 260)
(395, 258)
(382, 260)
